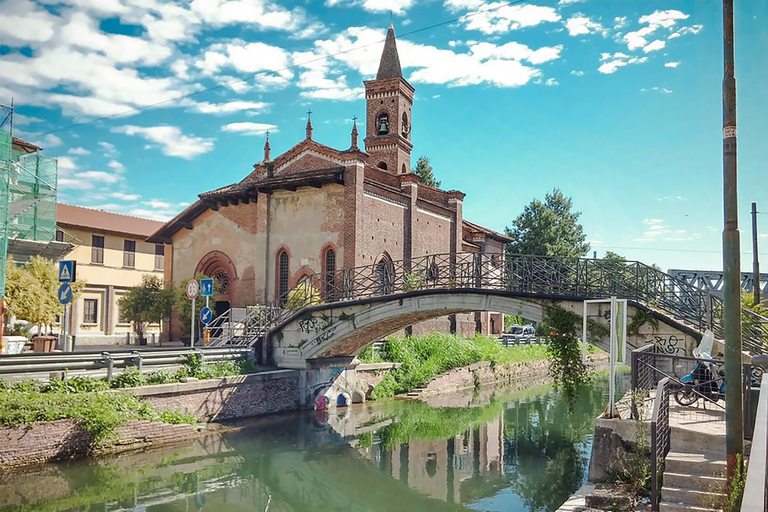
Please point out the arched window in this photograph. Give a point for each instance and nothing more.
(382, 165)
(330, 274)
(385, 275)
(404, 169)
(282, 276)
(405, 129)
(382, 124)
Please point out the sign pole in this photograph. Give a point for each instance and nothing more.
(64, 344)
(192, 326)
(611, 390)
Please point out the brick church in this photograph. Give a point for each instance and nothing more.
(316, 209)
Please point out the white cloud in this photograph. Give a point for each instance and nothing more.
(499, 17)
(155, 203)
(66, 164)
(117, 166)
(109, 149)
(170, 139)
(394, 6)
(577, 73)
(244, 57)
(613, 62)
(658, 44)
(671, 64)
(654, 21)
(662, 90)
(78, 151)
(250, 128)
(579, 24)
(620, 22)
(125, 197)
(98, 176)
(551, 81)
(693, 29)
(567, 2)
(230, 107)
(161, 210)
(652, 221)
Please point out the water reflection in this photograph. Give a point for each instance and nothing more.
(520, 451)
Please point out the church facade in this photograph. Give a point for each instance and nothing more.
(315, 209)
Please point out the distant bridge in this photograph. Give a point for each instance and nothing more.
(363, 304)
(713, 280)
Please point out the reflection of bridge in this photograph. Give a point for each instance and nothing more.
(714, 281)
(359, 305)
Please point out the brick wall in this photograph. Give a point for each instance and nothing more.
(227, 398)
(63, 439)
(484, 373)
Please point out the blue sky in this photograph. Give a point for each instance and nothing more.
(615, 102)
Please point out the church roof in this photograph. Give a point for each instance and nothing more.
(476, 228)
(389, 67)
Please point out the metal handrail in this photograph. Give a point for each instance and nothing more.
(660, 439)
(756, 487)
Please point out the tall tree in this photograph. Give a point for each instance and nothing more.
(423, 170)
(144, 304)
(549, 228)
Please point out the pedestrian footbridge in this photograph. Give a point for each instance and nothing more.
(358, 306)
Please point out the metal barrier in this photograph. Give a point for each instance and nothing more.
(520, 339)
(660, 438)
(41, 365)
(755, 495)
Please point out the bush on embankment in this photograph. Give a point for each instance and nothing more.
(423, 358)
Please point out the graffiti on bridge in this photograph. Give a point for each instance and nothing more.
(669, 344)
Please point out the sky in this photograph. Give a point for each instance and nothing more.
(148, 103)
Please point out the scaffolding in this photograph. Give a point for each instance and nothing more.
(27, 195)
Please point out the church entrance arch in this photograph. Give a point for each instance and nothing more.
(219, 266)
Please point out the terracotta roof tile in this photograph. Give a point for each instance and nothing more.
(100, 220)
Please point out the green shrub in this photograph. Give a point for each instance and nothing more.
(130, 378)
(76, 384)
(28, 386)
(161, 377)
(176, 418)
(192, 364)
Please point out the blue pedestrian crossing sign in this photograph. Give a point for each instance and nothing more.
(206, 287)
(206, 315)
(64, 294)
(67, 270)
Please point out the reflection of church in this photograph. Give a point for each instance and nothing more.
(315, 209)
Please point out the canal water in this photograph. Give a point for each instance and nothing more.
(499, 451)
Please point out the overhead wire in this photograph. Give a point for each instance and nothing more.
(277, 71)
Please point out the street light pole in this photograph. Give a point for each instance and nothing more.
(755, 258)
(734, 429)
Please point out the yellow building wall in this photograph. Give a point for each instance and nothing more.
(106, 283)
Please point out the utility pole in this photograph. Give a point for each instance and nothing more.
(734, 429)
(755, 259)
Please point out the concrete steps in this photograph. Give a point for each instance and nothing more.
(693, 481)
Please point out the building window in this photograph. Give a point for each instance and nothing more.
(330, 274)
(90, 311)
(282, 277)
(385, 276)
(129, 253)
(59, 235)
(222, 281)
(97, 249)
(159, 257)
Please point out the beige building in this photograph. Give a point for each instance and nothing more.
(112, 256)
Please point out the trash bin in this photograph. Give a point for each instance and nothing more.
(43, 343)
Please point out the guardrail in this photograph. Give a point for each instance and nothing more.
(755, 495)
(520, 339)
(41, 365)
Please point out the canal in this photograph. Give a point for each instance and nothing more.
(501, 451)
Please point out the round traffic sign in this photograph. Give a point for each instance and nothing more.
(192, 289)
(65, 293)
(206, 315)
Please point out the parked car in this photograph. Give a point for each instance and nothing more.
(523, 330)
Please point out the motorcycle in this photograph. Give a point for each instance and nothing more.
(706, 380)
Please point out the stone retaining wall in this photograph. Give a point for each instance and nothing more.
(64, 439)
(482, 373)
(227, 398)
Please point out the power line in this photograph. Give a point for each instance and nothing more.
(275, 71)
(664, 249)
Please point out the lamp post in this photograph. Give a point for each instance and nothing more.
(734, 429)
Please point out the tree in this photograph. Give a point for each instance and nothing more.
(423, 170)
(146, 303)
(548, 228)
(304, 294)
(31, 291)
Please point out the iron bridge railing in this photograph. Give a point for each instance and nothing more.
(571, 278)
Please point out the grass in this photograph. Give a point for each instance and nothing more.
(98, 412)
(423, 358)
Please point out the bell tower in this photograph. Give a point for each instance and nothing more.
(389, 98)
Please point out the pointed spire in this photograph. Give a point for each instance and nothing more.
(389, 67)
(309, 125)
(354, 133)
(267, 149)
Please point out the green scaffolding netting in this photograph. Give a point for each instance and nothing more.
(5, 175)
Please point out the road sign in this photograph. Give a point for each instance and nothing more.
(206, 315)
(192, 289)
(206, 287)
(64, 294)
(67, 271)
